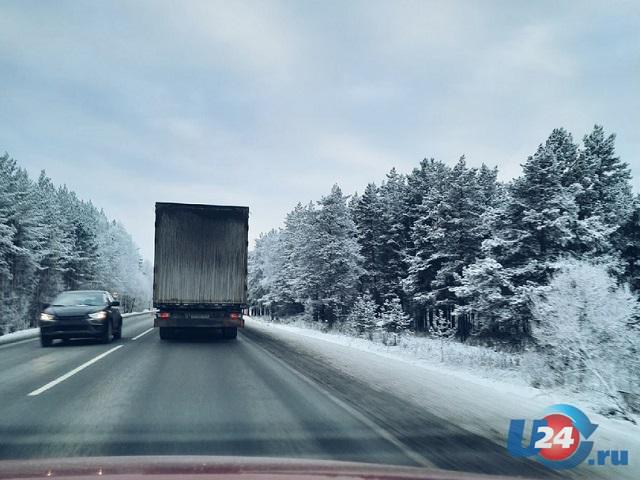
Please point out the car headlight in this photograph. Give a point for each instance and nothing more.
(98, 315)
(46, 317)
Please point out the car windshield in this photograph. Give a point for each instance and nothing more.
(68, 299)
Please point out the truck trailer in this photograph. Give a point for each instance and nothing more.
(200, 268)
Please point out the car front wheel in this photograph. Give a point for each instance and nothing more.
(45, 341)
(108, 332)
(117, 334)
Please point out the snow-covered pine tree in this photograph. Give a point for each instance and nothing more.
(265, 263)
(256, 286)
(604, 178)
(8, 233)
(81, 223)
(449, 236)
(55, 243)
(627, 243)
(542, 214)
(429, 175)
(493, 196)
(428, 185)
(486, 295)
(542, 211)
(363, 317)
(393, 319)
(367, 214)
(333, 257)
(534, 228)
(395, 236)
(442, 330)
(296, 280)
(459, 230)
(602, 192)
(28, 222)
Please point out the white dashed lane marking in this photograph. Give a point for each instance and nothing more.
(71, 373)
(143, 333)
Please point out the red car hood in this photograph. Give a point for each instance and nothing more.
(204, 467)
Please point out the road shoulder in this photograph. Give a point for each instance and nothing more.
(479, 407)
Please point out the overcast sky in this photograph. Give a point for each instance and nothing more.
(269, 103)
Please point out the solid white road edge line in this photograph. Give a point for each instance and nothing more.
(388, 436)
(62, 378)
(143, 333)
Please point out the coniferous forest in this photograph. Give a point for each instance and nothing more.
(453, 242)
(546, 265)
(51, 241)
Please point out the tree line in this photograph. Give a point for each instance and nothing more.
(51, 241)
(453, 244)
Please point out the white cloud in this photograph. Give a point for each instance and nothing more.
(346, 150)
(255, 38)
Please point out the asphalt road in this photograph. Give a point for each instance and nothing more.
(253, 396)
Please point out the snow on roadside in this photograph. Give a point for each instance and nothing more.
(483, 404)
(132, 314)
(462, 359)
(19, 335)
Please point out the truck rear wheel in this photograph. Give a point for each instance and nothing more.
(230, 332)
(166, 333)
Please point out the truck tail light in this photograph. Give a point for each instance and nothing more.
(235, 316)
(163, 315)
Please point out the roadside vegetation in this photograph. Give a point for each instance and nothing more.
(544, 266)
(50, 241)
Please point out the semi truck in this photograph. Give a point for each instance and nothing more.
(200, 268)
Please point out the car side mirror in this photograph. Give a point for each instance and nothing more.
(115, 303)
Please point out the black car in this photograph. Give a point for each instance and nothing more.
(81, 314)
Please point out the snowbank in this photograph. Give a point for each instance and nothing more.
(19, 335)
(133, 314)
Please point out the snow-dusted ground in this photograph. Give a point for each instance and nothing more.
(482, 400)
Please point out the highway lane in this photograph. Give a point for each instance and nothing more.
(184, 397)
(249, 397)
(27, 366)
